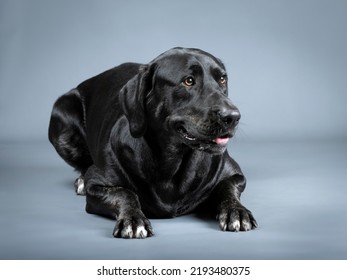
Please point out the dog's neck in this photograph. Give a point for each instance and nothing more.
(171, 155)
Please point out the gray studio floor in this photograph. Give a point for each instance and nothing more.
(296, 190)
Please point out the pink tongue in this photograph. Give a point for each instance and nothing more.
(221, 141)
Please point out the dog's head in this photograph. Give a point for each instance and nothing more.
(183, 92)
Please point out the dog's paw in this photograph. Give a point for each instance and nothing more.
(79, 186)
(236, 219)
(133, 226)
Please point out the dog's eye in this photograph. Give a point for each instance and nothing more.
(189, 81)
(223, 79)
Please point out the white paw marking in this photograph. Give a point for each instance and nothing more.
(235, 225)
(246, 226)
(141, 232)
(223, 226)
(127, 232)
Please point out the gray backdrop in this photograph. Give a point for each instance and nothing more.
(286, 59)
(287, 66)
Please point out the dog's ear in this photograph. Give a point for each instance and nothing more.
(133, 98)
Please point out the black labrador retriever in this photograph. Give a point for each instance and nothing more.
(151, 141)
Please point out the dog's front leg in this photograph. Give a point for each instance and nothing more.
(118, 203)
(232, 215)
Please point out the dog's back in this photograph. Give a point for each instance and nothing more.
(92, 100)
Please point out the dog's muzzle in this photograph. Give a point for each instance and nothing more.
(211, 133)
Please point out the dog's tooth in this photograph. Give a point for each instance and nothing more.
(79, 186)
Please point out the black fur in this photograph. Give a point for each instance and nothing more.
(150, 141)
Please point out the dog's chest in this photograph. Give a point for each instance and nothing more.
(179, 194)
(171, 184)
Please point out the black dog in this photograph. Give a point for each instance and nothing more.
(151, 140)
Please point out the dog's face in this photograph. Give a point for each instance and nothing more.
(184, 92)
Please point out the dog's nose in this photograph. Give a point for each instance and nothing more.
(228, 116)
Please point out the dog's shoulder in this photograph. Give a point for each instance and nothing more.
(114, 77)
